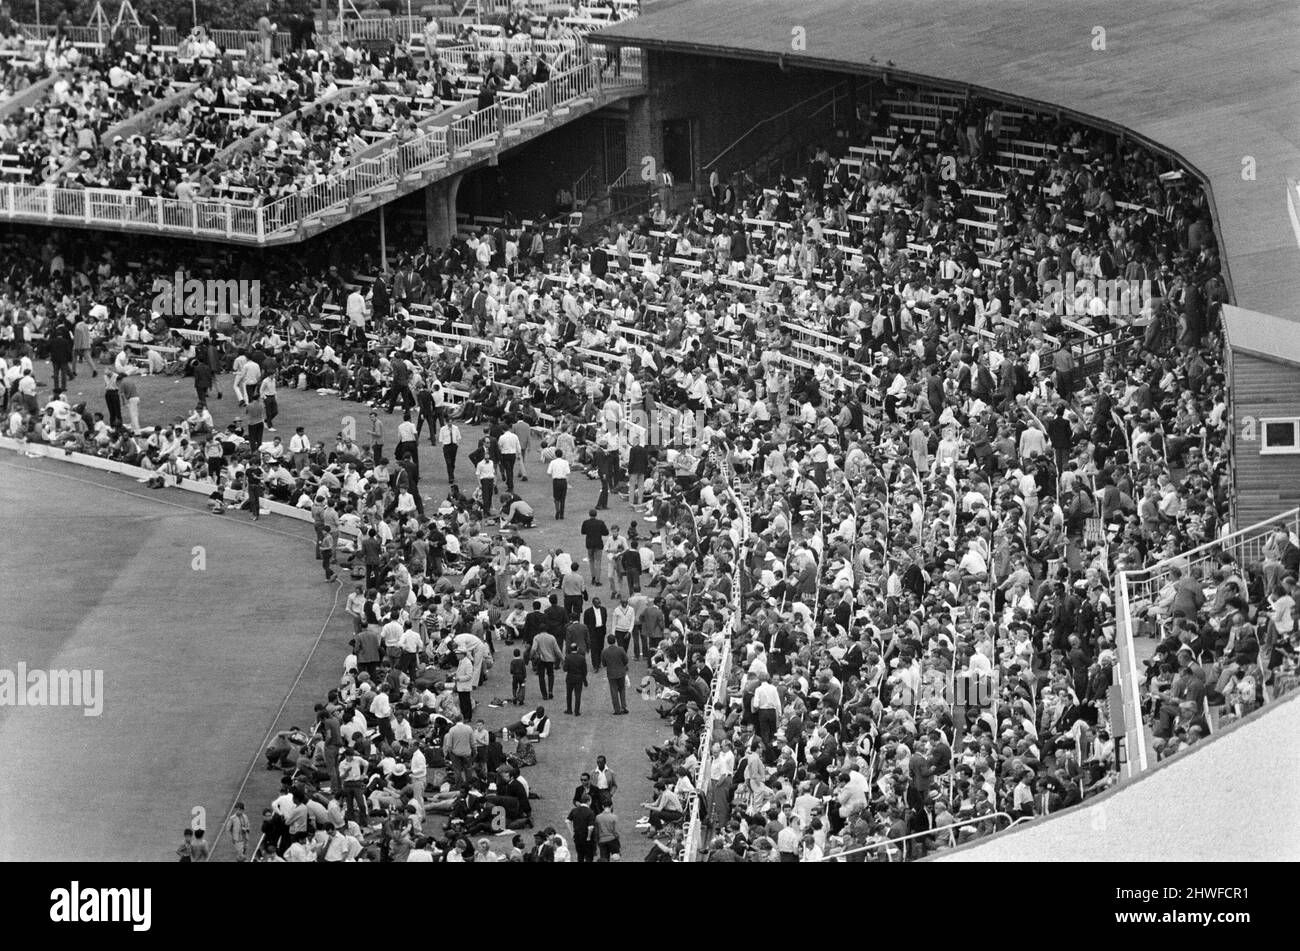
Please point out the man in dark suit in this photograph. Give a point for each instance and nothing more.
(534, 622)
(557, 617)
(594, 531)
(478, 306)
(584, 788)
(369, 651)
(575, 678)
(380, 299)
(596, 620)
(599, 259)
(615, 659)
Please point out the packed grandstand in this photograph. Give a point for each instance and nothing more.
(892, 426)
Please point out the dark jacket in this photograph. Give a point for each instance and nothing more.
(575, 668)
(577, 634)
(615, 660)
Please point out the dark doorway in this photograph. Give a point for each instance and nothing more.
(679, 149)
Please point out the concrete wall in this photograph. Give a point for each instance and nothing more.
(723, 97)
(527, 178)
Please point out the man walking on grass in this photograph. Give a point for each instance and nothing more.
(594, 531)
(575, 678)
(614, 658)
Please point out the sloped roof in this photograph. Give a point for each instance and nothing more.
(1262, 335)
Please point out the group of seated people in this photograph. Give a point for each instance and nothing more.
(50, 137)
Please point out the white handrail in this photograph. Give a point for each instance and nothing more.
(991, 817)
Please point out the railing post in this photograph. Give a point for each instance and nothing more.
(158, 211)
(228, 223)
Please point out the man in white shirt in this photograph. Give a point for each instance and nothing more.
(509, 447)
(767, 708)
(356, 314)
(624, 618)
(449, 439)
(558, 470)
(299, 446)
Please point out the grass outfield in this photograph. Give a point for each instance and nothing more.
(201, 665)
(99, 573)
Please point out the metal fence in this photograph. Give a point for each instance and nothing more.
(1138, 593)
(696, 816)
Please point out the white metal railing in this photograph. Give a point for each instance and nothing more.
(1245, 546)
(951, 830)
(1139, 590)
(520, 107)
(719, 694)
(381, 28)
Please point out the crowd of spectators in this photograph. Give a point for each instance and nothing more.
(902, 468)
(91, 93)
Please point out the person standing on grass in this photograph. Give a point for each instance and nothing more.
(299, 447)
(614, 659)
(256, 422)
(202, 378)
(60, 352)
(376, 437)
(266, 393)
(524, 433)
(112, 399)
(248, 374)
(253, 476)
(201, 851)
(449, 440)
(326, 545)
(615, 545)
(406, 441)
(352, 770)
(509, 450)
(638, 467)
(607, 835)
(81, 346)
(465, 683)
(558, 469)
(356, 609)
(624, 618)
(486, 473)
(332, 737)
(594, 532)
(574, 589)
(581, 821)
(545, 654)
(458, 746)
(575, 678)
(240, 830)
(130, 393)
(185, 850)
